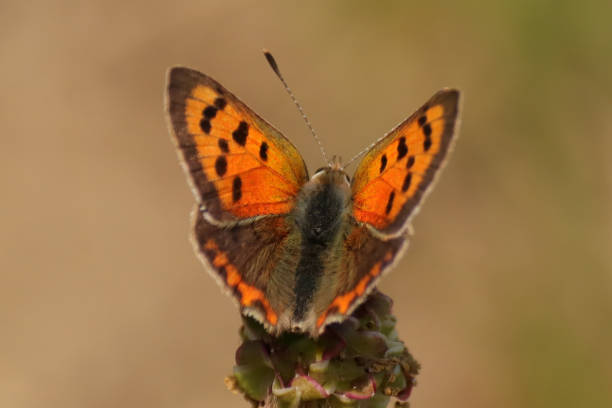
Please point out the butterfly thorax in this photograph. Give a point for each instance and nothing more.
(321, 217)
(321, 204)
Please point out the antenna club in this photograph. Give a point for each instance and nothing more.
(271, 61)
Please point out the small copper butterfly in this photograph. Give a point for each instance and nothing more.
(298, 252)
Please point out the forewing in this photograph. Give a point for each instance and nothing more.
(239, 165)
(395, 175)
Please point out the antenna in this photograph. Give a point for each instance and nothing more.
(274, 67)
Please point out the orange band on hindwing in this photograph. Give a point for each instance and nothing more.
(248, 296)
(342, 303)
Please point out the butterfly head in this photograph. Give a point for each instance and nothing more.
(333, 173)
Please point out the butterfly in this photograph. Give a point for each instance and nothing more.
(298, 253)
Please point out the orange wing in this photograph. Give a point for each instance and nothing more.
(239, 165)
(394, 176)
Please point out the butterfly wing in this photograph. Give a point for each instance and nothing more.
(395, 175)
(365, 260)
(250, 260)
(246, 177)
(239, 165)
(387, 187)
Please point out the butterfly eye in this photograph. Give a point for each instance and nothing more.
(320, 169)
(348, 179)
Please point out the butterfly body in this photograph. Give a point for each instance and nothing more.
(321, 217)
(297, 253)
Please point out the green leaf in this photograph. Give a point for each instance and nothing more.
(254, 381)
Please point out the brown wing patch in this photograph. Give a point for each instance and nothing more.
(342, 303)
(240, 165)
(248, 296)
(366, 259)
(393, 177)
(243, 259)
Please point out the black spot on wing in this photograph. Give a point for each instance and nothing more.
(240, 134)
(237, 189)
(263, 151)
(220, 103)
(427, 141)
(402, 149)
(410, 162)
(209, 112)
(406, 184)
(383, 162)
(205, 125)
(390, 202)
(221, 166)
(223, 145)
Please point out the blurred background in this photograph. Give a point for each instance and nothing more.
(505, 295)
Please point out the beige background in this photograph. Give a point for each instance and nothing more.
(505, 295)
